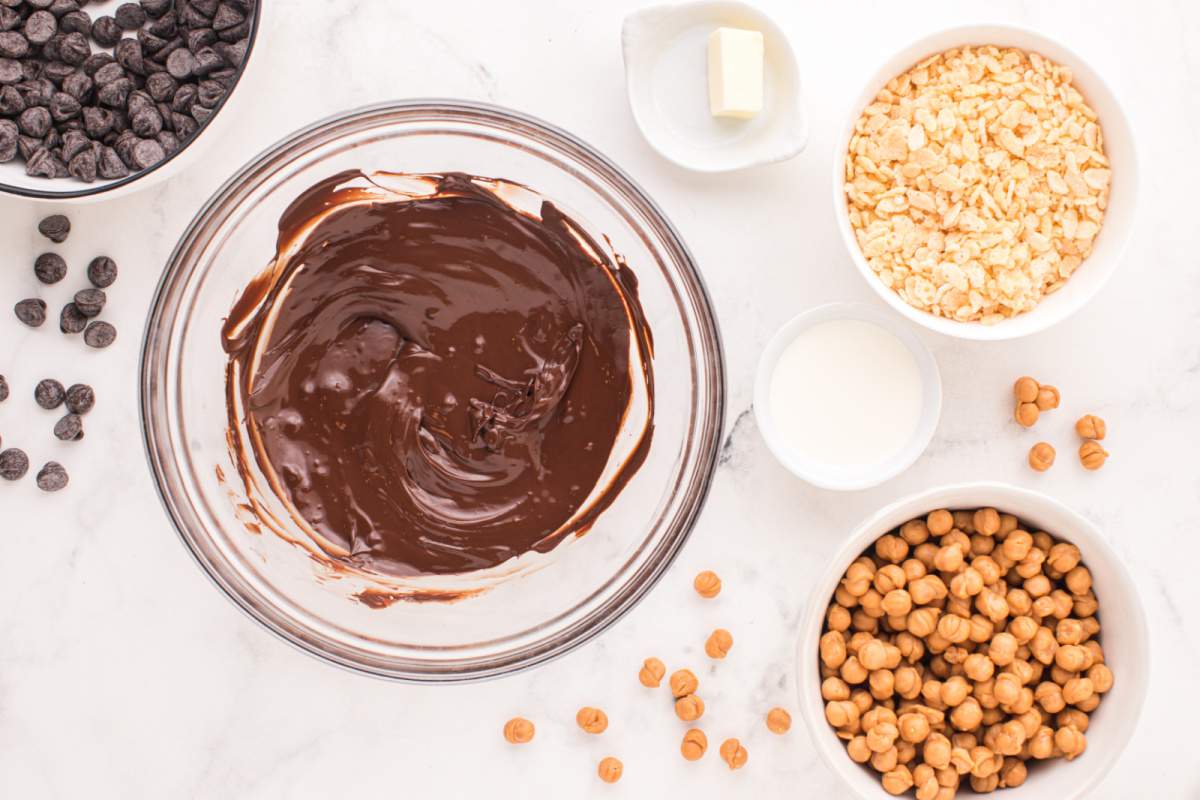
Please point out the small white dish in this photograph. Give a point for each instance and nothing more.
(858, 476)
(1124, 636)
(1097, 268)
(666, 76)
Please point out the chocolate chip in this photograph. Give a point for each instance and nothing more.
(40, 27)
(200, 38)
(11, 71)
(3, 389)
(8, 140)
(83, 166)
(206, 7)
(34, 122)
(78, 85)
(111, 166)
(128, 53)
(52, 477)
(75, 49)
(13, 44)
(181, 64)
(168, 140)
(80, 398)
(74, 143)
(76, 22)
(102, 272)
(95, 61)
(61, 8)
(115, 94)
(50, 268)
(32, 312)
(200, 113)
(108, 74)
(13, 464)
(69, 428)
(166, 27)
(64, 107)
(106, 31)
(11, 101)
(150, 44)
(49, 394)
(210, 93)
(161, 86)
(55, 227)
(71, 321)
(227, 17)
(56, 72)
(156, 8)
(130, 16)
(90, 302)
(99, 335)
(9, 19)
(147, 153)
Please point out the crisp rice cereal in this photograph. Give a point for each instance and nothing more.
(977, 182)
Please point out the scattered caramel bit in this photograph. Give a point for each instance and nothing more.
(1047, 398)
(592, 720)
(652, 672)
(689, 708)
(1041, 456)
(733, 754)
(707, 584)
(778, 720)
(1092, 455)
(719, 643)
(1027, 414)
(683, 682)
(518, 730)
(694, 744)
(610, 769)
(1090, 426)
(1026, 389)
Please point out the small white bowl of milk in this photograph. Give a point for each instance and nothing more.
(847, 397)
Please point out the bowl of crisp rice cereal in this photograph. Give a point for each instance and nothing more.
(985, 182)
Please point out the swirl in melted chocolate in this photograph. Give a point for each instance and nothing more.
(437, 382)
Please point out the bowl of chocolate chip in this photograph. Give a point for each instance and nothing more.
(433, 391)
(98, 99)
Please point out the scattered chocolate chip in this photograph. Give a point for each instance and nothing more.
(80, 398)
(106, 31)
(55, 227)
(75, 22)
(102, 272)
(69, 428)
(13, 464)
(32, 312)
(50, 268)
(130, 16)
(90, 302)
(71, 321)
(3, 389)
(52, 477)
(49, 394)
(99, 335)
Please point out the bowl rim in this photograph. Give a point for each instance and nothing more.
(95, 191)
(812, 619)
(931, 384)
(594, 622)
(1029, 322)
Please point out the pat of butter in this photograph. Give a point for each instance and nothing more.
(735, 72)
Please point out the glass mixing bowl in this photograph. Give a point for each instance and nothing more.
(584, 585)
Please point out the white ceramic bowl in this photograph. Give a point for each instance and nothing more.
(1119, 146)
(665, 50)
(62, 191)
(829, 476)
(1123, 635)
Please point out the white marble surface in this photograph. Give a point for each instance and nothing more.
(124, 674)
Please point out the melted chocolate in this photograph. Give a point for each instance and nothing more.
(435, 383)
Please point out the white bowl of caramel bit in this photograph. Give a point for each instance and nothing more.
(973, 638)
(985, 182)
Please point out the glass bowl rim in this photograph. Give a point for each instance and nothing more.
(165, 465)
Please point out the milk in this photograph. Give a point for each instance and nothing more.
(846, 393)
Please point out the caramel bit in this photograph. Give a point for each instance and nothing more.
(610, 769)
(592, 720)
(1092, 455)
(1026, 414)
(652, 672)
(1041, 456)
(694, 744)
(733, 754)
(1090, 426)
(689, 708)
(518, 730)
(719, 643)
(707, 584)
(683, 682)
(1048, 397)
(1026, 389)
(778, 720)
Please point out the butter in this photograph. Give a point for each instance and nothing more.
(735, 73)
